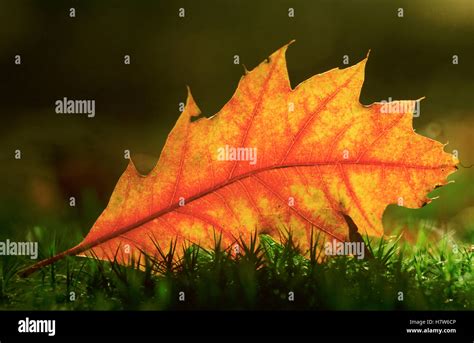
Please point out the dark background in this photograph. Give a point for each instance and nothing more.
(137, 104)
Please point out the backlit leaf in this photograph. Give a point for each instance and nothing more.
(308, 157)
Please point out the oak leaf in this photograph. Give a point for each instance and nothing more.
(273, 157)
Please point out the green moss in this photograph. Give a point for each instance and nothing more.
(429, 275)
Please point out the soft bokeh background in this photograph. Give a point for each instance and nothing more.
(137, 104)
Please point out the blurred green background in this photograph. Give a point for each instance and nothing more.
(137, 104)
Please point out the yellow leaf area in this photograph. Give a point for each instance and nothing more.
(274, 158)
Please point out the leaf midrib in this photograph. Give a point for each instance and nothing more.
(86, 246)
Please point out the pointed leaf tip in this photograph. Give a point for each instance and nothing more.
(131, 169)
(191, 108)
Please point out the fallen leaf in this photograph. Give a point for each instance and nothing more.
(309, 157)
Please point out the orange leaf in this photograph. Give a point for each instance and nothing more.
(273, 157)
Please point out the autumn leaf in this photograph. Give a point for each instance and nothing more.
(273, 157)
